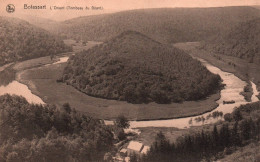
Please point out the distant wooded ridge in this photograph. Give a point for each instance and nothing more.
(243, 41)
(21, 40)
(166, 25)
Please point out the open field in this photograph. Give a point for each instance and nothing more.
(148, 134)
(79, 45)
(33, 63)
(42, 82)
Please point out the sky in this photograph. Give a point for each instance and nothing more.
(108, 6)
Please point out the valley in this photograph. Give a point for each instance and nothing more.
(42, 82)
(145, 84)
(41, 75)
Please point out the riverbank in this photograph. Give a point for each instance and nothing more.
(239, 67)
(41, 80)
(45, 85)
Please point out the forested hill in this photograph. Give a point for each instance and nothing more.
(46, 24)
(168, 25)
(242, 41)
(137, 69)
(20, 40)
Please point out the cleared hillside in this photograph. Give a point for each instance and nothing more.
(168, 25)
(134, 68)
(20, 40)
(241, 41)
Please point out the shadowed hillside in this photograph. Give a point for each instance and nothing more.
(164, 25)
(137, 69)
(20, 40)
(241, 41)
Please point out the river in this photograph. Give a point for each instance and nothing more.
(17, 88)
(233, 87)
(255, 93)
(232, 90)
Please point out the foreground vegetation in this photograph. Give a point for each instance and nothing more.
(7, 75)
(45, 133)
(241, 127)
(248, 153)
(134, 68)
(21, 40)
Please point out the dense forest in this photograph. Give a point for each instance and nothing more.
(239, 129)
(20, 40)
(30, 132)
(241, 41)
(167, 25)
(137, 69)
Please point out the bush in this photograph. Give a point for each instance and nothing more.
(237, 115)
(228, 117)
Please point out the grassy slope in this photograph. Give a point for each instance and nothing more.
(164, 25)
(148, 134)
(249, 153)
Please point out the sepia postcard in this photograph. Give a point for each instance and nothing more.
(129, 81)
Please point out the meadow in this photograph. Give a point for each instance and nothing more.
(42, 82)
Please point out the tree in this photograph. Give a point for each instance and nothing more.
(133, 157)
(52, 56)
(108, 157)
(228, 117)
(245, 129)
(66, 107)
(120, 134)
(42, 132)
(237, 115)
(122, 122)
(163, 145)
(235, 135)
(13, 156)
(224, 136)
(215, 136)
